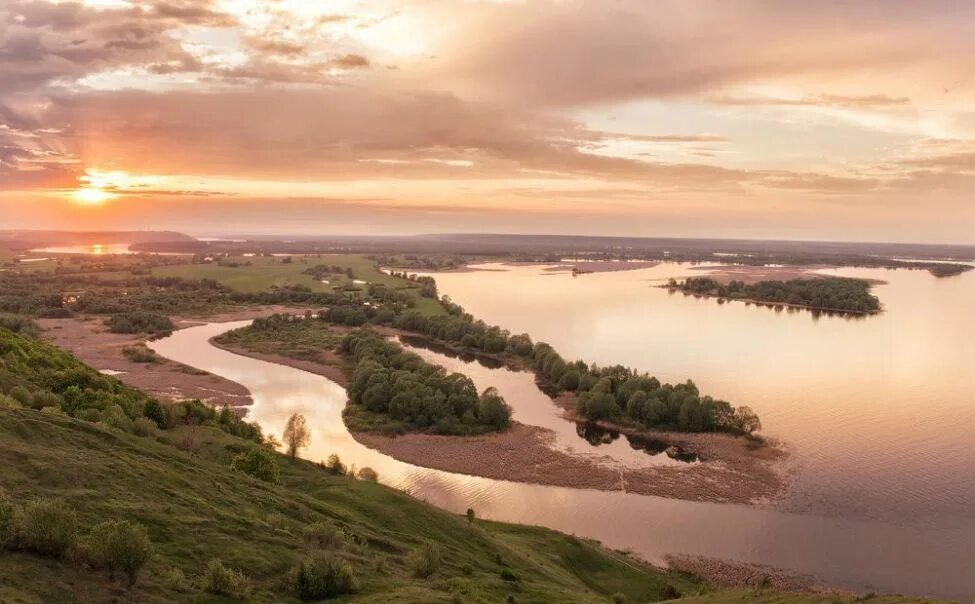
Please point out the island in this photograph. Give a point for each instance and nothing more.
(826, 294)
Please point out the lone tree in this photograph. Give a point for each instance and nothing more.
(296, 434)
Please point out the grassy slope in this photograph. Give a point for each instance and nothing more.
(196, 508)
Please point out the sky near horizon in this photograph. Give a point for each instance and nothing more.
(721, 118)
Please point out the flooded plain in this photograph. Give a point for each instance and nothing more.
(875, 410)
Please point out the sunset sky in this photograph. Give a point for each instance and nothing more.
(725, 118)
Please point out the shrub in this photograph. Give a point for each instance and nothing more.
(367, 473)
(139, 322)
(618, 598)
(9, 402)
(322, 576)
(322, 535)
(425, 560)
(140, 354)
(220, 580)
(48, 527)
(22, 395)
(44, 398)
(144, 426)
(8, 525)
(257, 462)
(335, 466)
(120, 545)
(175, 580)
(115, 417)
(157, 413)
(508, 575)
(89, 415)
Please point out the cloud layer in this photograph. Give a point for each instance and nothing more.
(648, 112)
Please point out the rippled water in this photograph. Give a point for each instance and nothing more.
(851, 552)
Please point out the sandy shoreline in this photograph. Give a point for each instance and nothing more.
(733, 473)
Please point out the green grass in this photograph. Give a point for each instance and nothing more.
(304, 340)
(196, 508)
(267, 272)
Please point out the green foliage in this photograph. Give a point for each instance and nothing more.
(322, 535)
(220, 580)
(120, 545)
(425, 560)
(836, 294)
(391, 383)
(139, 322)
(48, 527)
(323, 575)
(115, 417)
(157, 413)
(259, 463)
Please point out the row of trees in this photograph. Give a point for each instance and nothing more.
(391, 382)
(613, 393)
(831, 293)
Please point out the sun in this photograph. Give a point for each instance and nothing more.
(92, 196)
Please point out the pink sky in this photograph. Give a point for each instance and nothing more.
(811, 120)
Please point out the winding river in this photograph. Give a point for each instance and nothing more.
(860, 553)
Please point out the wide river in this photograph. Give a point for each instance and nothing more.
(878, 414)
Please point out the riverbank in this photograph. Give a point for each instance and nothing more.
(732, 472)
(92, 342)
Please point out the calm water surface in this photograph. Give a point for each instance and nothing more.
(876, 411)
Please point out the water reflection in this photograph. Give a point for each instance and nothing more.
(597, 435)
(533, 407)
(863, 555)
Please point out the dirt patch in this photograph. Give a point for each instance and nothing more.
(90, 341)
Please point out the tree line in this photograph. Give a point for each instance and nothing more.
(837, 294)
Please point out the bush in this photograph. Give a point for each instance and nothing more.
(259, 463)
(157, 413)
(175, 580)
(139, 322)
(367, 473)
(335, 466)
(425, 560)
(140, 354)
(89, 415)
(47, 527)
(144, 427)
(618, 598)
(120, 545)
(22, 395)
(8, 518)
(508, 575)
(322, 576)
(44, 398)
(223, 581)
(115, 417)
(322, 535)
(9, 402)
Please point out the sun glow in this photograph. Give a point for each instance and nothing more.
(92, 196)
